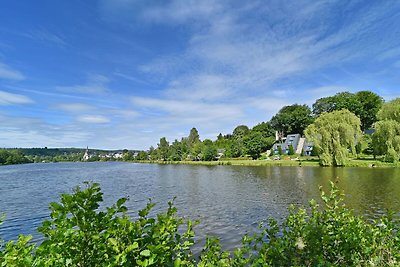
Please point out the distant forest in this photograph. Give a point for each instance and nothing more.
(30, 155)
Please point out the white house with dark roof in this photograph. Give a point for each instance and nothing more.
(298, 143)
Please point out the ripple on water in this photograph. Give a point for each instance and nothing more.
(228, 200)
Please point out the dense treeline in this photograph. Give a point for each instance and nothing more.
(78, 234)
(12, 157)
(29, 155)
(338, 126)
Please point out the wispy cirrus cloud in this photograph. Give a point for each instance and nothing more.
(7, 98)
(93, 119)
(171, 12)
(45, 36)
(241, 67)
(96, 84)
(74, 107)
(8, 73)
(33, 132)
(176, 64)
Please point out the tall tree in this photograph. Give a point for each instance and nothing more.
(343, 100)
(324, 104)
(371, 103)
(386, 139)
(292, 119)
(235, 148)
(194, 137)
(175, 151)
(209, 152)
(240, 131)
(264, 128)
(163, 146)
(254, 144)
(334, 134)
(390, 110)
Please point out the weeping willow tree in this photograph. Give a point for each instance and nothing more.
(335, 135)
(386, 139)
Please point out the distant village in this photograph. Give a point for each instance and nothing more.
(110, 155)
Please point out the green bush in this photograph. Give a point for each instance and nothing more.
(79, 234)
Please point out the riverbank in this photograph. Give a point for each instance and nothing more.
(283, 162)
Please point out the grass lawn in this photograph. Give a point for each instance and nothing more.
(284, 161)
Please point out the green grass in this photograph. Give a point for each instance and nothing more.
(285, 161)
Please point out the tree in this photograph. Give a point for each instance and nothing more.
(324, 104)
(185, 148)
(163, 146)
(386, 139)
(390, 110)
(194, 137)
(334, 134)
(127, 156)
(12, 157)
(142, 155)
(280, 152)
(371, 103)
(364, 104)
(235, 149)
(343, 100)
(240, 131)
(265, 129)
(291, 150)
(209, 152)
(197, 150)
(292, 119)
(254, 144)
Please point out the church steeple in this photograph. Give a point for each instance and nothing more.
(86, 155)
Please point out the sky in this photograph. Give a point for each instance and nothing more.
(115, 74)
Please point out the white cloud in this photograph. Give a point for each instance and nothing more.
(44, 36)
(96, 84)
(179, 11)
(235, 62)
(200, 87)
(13, 99)
(74, 107)
(8, 73)
(125, 113)
(130, 77)
(95, 119)
(169, 12)
(30, 132)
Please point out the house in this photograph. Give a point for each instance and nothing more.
(220, 153)
(307, 148)
(118, 155)
(291, 140)
(298, 143)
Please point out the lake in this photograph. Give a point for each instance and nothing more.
(228, 200)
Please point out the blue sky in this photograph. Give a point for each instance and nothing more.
(117, 74)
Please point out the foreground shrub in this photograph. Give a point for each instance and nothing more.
(79, 234)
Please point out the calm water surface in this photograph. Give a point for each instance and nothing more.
(228, 200)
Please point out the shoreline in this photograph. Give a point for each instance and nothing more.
(364, 163)
(289, 163)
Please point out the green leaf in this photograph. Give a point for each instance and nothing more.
(113, 241)
(145, 253)
(121, 201)
(177, 262)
